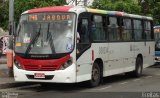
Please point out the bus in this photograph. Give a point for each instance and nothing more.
(71, 44)
(157, 43)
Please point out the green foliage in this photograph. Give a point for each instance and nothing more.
(118, 5)
(150, 8)
(21, 6)
(4, 14)
(129, 6)
(154, 10)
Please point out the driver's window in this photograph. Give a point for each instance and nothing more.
(83, 31)
(82, 35)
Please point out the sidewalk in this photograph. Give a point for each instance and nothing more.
(3, 59)
(3, 67)
(5, 80)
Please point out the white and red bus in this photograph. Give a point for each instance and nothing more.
(111, 42)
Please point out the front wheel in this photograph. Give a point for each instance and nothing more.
(95, 77)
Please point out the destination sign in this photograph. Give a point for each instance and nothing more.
(49, 17)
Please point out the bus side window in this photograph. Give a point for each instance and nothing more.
(113, 29)
(98, 28)
(147, 30)
(137, 29)
(127, 34)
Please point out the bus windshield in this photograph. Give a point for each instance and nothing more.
(45, 33)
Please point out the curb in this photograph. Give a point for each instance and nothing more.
(3, 62)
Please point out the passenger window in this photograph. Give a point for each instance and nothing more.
(97, 28)
(113, 27)
(147, 30)
(138, 31)
(127, 33)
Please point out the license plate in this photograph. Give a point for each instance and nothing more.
(39, 75)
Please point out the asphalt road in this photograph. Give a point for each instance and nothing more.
(118, 86)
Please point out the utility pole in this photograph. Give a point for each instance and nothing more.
(144, 6)
(85, 2)
(11, 17)
(9, 52)
(75, 2)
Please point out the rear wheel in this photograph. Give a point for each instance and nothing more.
(96, 75)
(138, 68)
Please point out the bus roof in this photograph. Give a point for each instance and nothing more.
(158, 26)
(117, 13)
(51, 9)
(83, 9)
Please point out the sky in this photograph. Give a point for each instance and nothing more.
(71, 2)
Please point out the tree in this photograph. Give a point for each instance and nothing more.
(154, 10)
(21, 6)
(142, 7)
(118, 5)
(4, 14)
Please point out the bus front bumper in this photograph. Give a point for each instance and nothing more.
(59, 76)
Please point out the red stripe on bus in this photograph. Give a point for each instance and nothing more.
(51, 9)
(118, 13)
(41, 65)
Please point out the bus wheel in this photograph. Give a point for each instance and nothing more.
(139, 67)
(95, 79)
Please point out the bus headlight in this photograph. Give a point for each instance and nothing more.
(17, 64)
(66, 64)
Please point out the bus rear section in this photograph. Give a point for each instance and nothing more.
(112, 43)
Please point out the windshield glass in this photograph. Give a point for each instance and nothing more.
(45, 33)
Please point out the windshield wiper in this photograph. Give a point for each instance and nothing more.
(34, 39)
(49, 36)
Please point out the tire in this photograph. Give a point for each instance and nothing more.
(139, 67)
(96, 75)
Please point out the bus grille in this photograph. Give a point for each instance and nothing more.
(40, 67)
